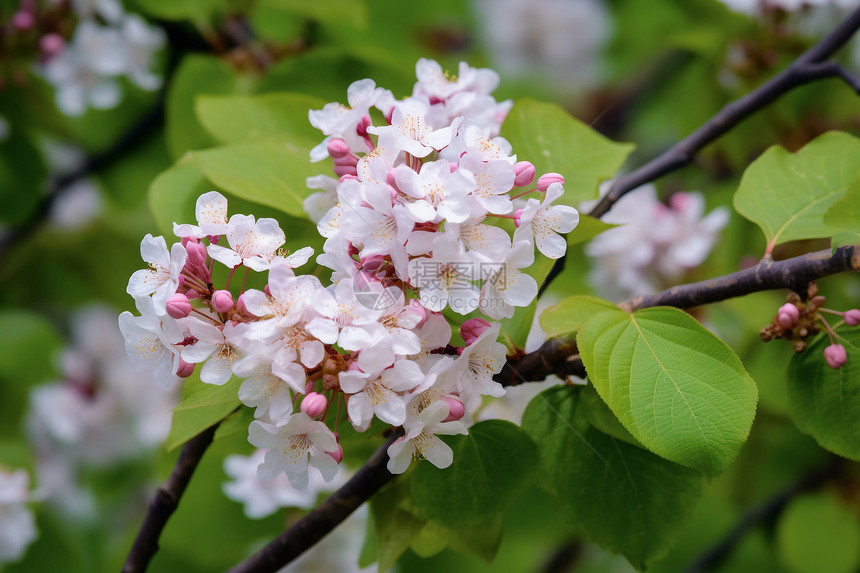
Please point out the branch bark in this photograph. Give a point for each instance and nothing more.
(165, 501)
(324, 518)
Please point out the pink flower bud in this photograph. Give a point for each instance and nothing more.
(342, 170)
(222, 300)
(23, 20)
(309, 387)
(348, 176)
(314, 404)
(787, 316)
(456, 409)
(454, 166)
(547, 179)
(51, 44)
(349, 160)
(178, 306)
(240, 305)
(337, 455)
(472, 329)
(518, 214)
(337, 147)
(852, 317)
(679, 201)
(196, 253)
(525, 173)
(835, 356)
(185, 369)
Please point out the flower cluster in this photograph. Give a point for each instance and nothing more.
(107, 44)
(414, 224)
(654, 244)
(797, 320)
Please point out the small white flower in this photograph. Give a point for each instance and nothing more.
(17, 525)
(150, 342)
(543, 220)
(161, 279)
(421, 439)
(252, 243)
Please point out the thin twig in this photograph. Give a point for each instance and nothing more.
(165, 501)
(806, 68)
(764, 513)
(325, 517)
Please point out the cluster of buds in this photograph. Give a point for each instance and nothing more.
(82, 48)
(797, 320)
(409, 232)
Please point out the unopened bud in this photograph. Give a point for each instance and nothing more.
(547, 179)
(240, 305)
(178, 306)
(185, 369)
(852, 317)
(51, 44)
(525, 173)
(815, 303)
(196, 253)
(788, 316)
(222, 300)
(472, 329)
(344, 170)
(456, 409)
(309, 387)
(453, 166)
(337, 455)
(23, 20)
(337, 147)
(349, 160)
(518, 214)
(314, 404)
(835, 356)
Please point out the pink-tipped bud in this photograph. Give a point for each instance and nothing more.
(525, 173)
(454, 166)
(547, 179)
(222, 300)
(240, 305)
(309, 387)
(518, 214)
(835, 356)
(337, 455)
(348, 176)
(186, 240)
(196, 253)
(178, 306)
(787, 316)
(472, 329)
(346, 160)
(852, 317)
(456, 409)
(51, 44)
(185, 369)
(337, 147)
(344, 170)
(314, 404)
(23, 20)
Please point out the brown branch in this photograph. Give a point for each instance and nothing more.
(324, 518)
(165, 501)
(560, 357)
(807, 68)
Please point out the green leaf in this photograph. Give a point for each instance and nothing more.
(624, 498)
(824, 402)
(598, 414)
(844, 214)
(284, 116)
(199, 394)
(554, 141)
(195, 10)
(481, 540)
(202, 405)
(395, 527)
(787, 194)
(266, 172)
(571, 313)
(846, 238)
(336, 11)
(22, 178)
(676, 387)
(817, 533)
(197, 75)
(173, 195)
(494, 462)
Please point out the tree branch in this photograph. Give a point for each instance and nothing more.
(561, 357)
(806, 68)
(768, 511)
(325, 517)
(165, 501)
